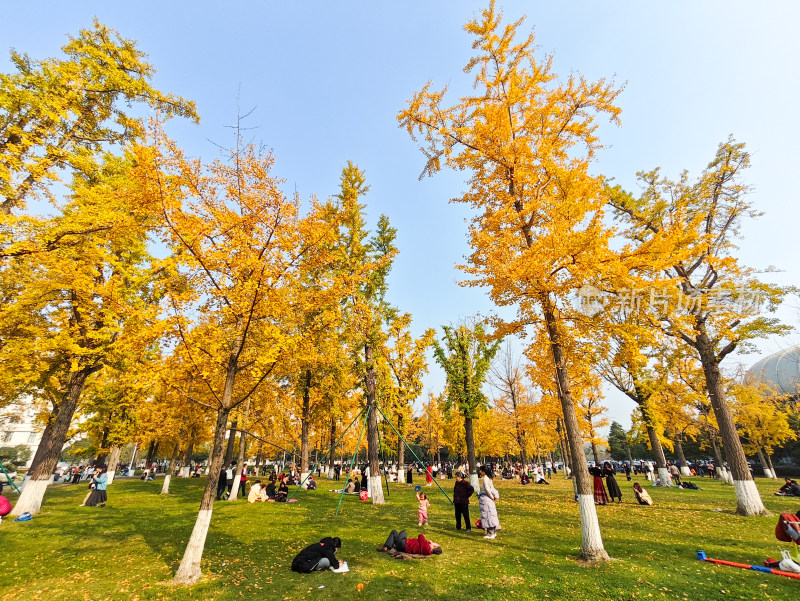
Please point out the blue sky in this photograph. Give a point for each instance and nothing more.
(328, 78)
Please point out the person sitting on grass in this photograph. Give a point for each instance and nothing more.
(283, 492)
(399, 541)
(789, 489)
(257, 493)
(319, 556)
(311, 483)
(642, 496)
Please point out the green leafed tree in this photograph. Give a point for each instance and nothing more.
(466, 355)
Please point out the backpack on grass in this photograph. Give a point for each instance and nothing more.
(788, 528)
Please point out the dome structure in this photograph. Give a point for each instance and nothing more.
(780, 371)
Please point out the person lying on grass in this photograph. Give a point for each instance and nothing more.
(399, 541)
(319, 556)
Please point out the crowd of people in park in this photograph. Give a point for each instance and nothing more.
(272, 482)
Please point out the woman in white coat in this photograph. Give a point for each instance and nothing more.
(486, 501)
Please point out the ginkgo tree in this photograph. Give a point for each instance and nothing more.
(93, 302)
(406, 360)
(540, 232)
(466, 355)
(368, 309)
(714, 306)
(761, 420)
(239, 242)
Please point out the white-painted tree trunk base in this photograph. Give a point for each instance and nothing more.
(376, 489)
(475, 481)
(768, 473)
(235, 489)
(725, 475)
(110, 476)
(748, 501)
(304, 479)
(51, 479)
(189, 570)
(331, 474)
(685, 471)
(663, 473)
(165, 486)
(185, 471)
(591, 539)
(31, 498)
(25, 480)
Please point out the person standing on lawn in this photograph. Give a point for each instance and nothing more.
(613, 488)
(487, 497)
(600, 495)
(98, 495)
(462, 491)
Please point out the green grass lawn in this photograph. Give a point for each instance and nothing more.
(131, 548)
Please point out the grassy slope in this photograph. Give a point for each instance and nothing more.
(129, 549)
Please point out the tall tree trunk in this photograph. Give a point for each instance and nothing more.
(237, 477)
(771, 467)
(189, 571)
(151, 451)
(565, 450)
(186, 466)
(100, 460)
(630, 457)
(748, 500)
(520, 440)
(655, 444)
(113, 462)
(304, 419)
(768, 473)
(401, 447)
(592, 548)
(49, 450)
(132, 466)
(681, 457)
(536, 448)
(721, 473)
(375, 486)
(473, 464)
(332, 452)
(594, 453)
(168, 476)
(231, 443)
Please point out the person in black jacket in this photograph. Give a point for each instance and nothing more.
(462, 491)
(319, 556)
(222, 483)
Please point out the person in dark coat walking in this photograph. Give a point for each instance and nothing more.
(319, 556)
(462, 491)
(410, 475)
